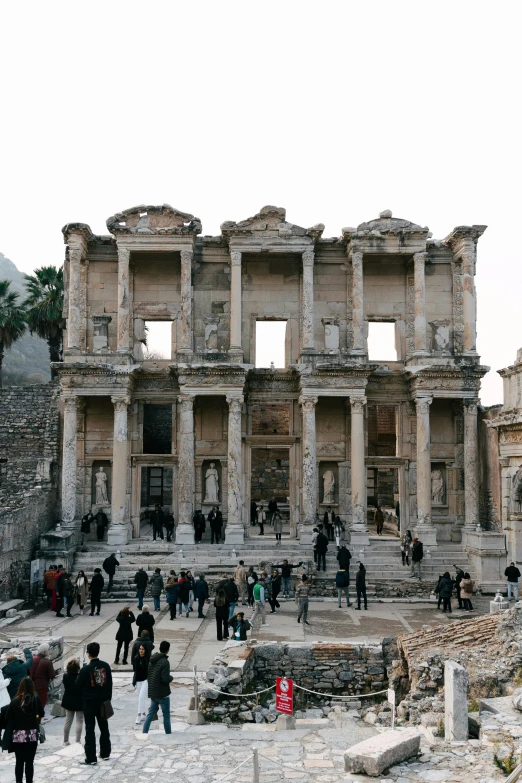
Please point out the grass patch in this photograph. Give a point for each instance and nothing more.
(509, 762)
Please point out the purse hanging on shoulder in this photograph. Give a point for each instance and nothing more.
(106, 710)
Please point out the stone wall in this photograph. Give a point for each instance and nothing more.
(270, 474)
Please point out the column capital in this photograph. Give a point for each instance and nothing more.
(123, 254)
(235, 402)
(308, 403)
(308, 256)
(355, 254)
(470, 406)
(186, 256)
(186, 400)
(420, 258)
(121, 403)
(357, 404)
(235, 257)
(423, 404)
(70, 403)
(468, 258)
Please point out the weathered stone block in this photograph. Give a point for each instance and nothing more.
(456, 701)
(383, 751)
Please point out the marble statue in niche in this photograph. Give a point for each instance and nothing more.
(211, 484)
(437, 487)
(101, 488)
(328, 487)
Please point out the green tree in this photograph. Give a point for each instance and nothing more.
(44, 308)
(12, 319)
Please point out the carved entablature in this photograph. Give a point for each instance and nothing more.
(463, 239)
(95, 380)
(512, 434)
(279, 384)
(386, 234)
(162, 219)
(269, 231)
(337, 379)
(221, 377)
(442, 381)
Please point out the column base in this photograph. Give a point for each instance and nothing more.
(359, 539)
(234, 534)
(235, 354)
(184, 534)
(427, 535)
(119, 535)
(305, 535)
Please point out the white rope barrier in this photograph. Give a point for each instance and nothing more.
(220, 780)
(333, 696)
(233, 695)
(204, 684)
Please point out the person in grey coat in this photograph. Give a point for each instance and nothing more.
(156, 587)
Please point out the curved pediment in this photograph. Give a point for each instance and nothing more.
(386, 224)
(270, 221)
(162, 219)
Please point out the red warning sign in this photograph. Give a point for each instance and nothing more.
(284, 695)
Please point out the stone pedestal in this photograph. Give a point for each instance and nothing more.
(427, 534)
(487, 559)
(455, 702)
(359, 539)
(119, 535)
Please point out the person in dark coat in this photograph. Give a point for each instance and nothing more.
(321, 545)
(95, 589)
(109, 566)
(437, 591)
(15, 670)
(199, 525)
(513, 575)
(171, 593)
(169, 526)
(276, 589)
(140, 579)
(253, 513)
(68, 593)
(445, 587)
(239, 626)
(183, 593)
(201, 593)
(124, 635)
(272, 510)
(342, 582)
(222, 607)
(48, 583)
(156, 587)
(145, 622)
(215, 519)
(458, 579)
(378, 518)
(417, 553)
(159, 679)
(143, 639)
(251, 580)
(72, 701)
(343, 558)
(42, 673)
(95, 684)
(23, 717)
(360, 586)
(157, 519)
(102, 523)
(57, 600)
(329, 522)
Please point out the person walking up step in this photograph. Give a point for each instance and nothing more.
(321, 544)
(302, 592)
(109, 566)
(360, 586)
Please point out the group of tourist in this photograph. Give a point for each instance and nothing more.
(270, 516)
(64, 591)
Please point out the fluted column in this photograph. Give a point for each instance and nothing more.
(471, 458)
(419, 261)
(235, 302)
(75, 296)
(469, 305)
(185, 528)
(119, 529)
(186, 342)
(124, 301)
(235, 530)
(309, 472)
(357, 302)
(358, 465)
(69, 459)
(307, 302)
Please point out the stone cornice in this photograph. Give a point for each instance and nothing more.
(77, 232)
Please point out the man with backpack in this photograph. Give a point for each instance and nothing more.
(95, 684)
(417, 554)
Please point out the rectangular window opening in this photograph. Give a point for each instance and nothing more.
(158, 336)
(157, 428)
(154, 486)
(271, 339)
(381, 342)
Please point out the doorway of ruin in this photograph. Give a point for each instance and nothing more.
(271, 468)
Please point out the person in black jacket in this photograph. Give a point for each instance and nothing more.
(321, 545)
(145, 622)
(102, 523)
(445, 588)
(272, 510)
(157, 519)
(215, 519)
(109, 566)
(23, 717)
(15, 670)
(343, 558)
(239, 626)
(72, 701)
(286, 574)
(140, 579)
(360, 586)
(124, 634)
(143, 639)
(458, 579)
(513, 575)
(94, 682)
(95, 589)
(201, 593)
(140, 666)
(276, 589)
(159, 679)
(417, 553)
(169, 526)
(183, 593)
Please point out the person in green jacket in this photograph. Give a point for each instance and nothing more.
(15, 670)
(159, 679)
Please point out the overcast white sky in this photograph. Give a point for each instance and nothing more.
(334, 110)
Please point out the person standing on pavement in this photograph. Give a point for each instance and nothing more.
(458, 580)
(145, 622)
(278, 527)
(240, 580)
(15, 670)
(183, 594)
(259, 602)
(192, 582)
(232, 594)
(445, 588)
(378, 518)
(109, 566)
(72, 701)
(286, 575)
(24, 716)
(140, 666)
(96, 588)
(221, 607)
(42, 673)
(157, 519)
(342, 582)
(95, 684)
(251, 580)
(141, 579)
(156, 587)
(81, 587)
(466, 588)
(405, 548)
(261, 519)
(169, 525)
(276, 589)
(68, 593)
(159, 679)
(124, 635)
(143, 639)
(48, 582)
(171, 593)
(215, 519)
(360, 586)
(201, 594)
(513, 575)
(417, 553)
(302, 591)
(322, 548)
(272, 510)
(57, 599)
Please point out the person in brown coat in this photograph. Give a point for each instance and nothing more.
(42, 672)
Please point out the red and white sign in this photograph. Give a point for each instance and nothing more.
(284, 695)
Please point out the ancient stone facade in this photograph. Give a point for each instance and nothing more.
(155, 266)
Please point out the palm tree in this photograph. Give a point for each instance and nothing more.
(44, 306)
(12, 319)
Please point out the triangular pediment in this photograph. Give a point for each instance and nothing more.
(162, 219)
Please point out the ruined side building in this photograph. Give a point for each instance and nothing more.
(204, 427)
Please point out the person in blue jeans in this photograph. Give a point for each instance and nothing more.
(159, 679)
(140, 580)
(156, 586)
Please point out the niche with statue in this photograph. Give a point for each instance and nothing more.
(101, 485)
(328, 484)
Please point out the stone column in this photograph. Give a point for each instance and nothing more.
(309, 473)
(185, 339)
(471, 457)
(69, 459)
(119, 528)
(307, 302)
(235, 532)
(468, 305)
(425, 531)
(419, 260)
(357, 302)
(235, 302)
(75, 296)
(358, 466)
(185, 528)
(123, 344)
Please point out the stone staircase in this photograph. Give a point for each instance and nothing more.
(382, 560)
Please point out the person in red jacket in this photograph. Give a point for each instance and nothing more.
(42, 672)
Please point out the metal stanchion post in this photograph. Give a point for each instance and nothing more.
(256, 765)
